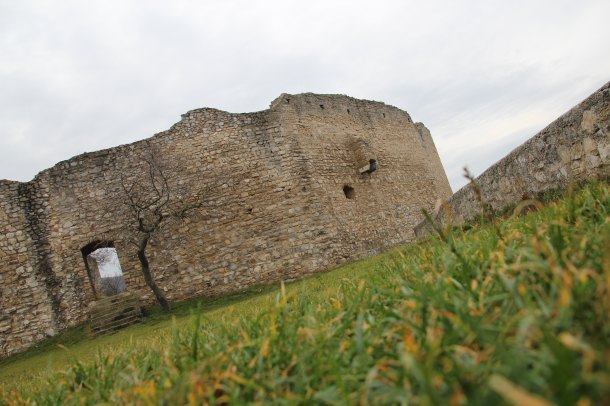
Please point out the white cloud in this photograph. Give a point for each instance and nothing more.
(483, 76)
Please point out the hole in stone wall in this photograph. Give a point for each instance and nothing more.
(348, 112)
(349, 192)
(322, 106)
(104, 269)
(383, 115)
(287, 101)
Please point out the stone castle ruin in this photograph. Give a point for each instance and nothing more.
(312, 182)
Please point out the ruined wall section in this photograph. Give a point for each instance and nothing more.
(572, 149)
(28, 314)
(257, 227)
(236, 240)
(338, 135)
(273, 206)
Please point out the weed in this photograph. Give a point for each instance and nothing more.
(486, 210)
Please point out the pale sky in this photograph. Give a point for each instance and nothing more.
(108, 263)
(483, 76)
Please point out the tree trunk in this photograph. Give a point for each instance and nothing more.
(147, 275)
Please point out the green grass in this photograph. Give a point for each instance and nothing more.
(76, 343)
(517, 313)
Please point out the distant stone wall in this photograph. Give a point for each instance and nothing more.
(274, 207)
(574, 148)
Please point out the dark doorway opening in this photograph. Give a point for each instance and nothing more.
(103, 268)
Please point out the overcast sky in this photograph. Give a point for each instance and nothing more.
(483, 76)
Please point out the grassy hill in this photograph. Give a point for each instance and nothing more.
(516, 313)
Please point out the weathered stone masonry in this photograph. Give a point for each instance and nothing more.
(275, 206)
(572, 149)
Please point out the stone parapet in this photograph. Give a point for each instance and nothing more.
(572, 149)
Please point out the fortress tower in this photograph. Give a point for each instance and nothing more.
(285, 193)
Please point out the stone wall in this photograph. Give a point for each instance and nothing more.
(27, 309)
(273, 207)
(572, 149)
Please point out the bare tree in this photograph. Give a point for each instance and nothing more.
(151, 202)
